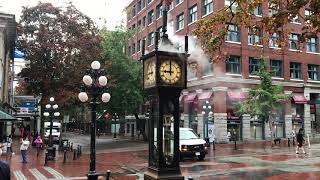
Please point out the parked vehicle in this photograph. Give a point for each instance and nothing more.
(56, 129)
(191, 145)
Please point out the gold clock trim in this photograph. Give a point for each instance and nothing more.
(170, 71)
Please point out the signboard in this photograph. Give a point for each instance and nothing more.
(24, 110)
(211, 132)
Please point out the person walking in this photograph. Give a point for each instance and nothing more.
(38, 143)
(9, 144)
(300, 142)
(4, 171)
(24, 148)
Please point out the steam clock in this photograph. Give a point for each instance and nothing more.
(164, 75)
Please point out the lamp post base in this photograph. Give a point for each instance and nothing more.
(92, 176)
(152, 174)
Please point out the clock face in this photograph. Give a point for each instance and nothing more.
(170, 71)
(150, 73)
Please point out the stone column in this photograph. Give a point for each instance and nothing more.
(220, 123)
(220, 114)
(200, 125)
(186, 120)
(288, 116)
(246, 136)
(307, 116)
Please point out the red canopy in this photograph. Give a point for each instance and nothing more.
(299, 99)
(236, 95)
(190, 97)
(205, 95)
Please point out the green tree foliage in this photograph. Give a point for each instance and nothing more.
(59, 43)
(125, 74)
(264, 100)
(240, 12)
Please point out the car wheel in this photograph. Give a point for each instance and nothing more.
(201, 157)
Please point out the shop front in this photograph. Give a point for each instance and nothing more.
(191, 102)
(297, 111)
(257, 130)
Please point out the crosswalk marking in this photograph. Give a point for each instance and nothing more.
(36, 173)
(55, 173)
(19, 176)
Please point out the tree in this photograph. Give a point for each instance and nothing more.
(264, 99)
(59, 43)
(125, 75)
(240, 12)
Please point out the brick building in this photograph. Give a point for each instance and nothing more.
(224, 83)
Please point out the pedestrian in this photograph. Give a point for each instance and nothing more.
(38, 143)
(9, 144)
(4, 171)
(300, 141)
(1, 146)
(13, 130)
(24, 148)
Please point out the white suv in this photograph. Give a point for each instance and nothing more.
(191, 145)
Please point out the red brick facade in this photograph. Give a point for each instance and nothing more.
(220, 81)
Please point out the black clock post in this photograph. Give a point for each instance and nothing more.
(164, 72)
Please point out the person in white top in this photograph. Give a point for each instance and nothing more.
(24, 148)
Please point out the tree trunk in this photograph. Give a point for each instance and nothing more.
(271, 122)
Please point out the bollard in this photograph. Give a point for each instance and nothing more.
(80, 150)
(64, 156)
(71, 146)
(46, 159)
(293, 142)
(235, 144)
(74, 154)
(108, 174)
(288, 142)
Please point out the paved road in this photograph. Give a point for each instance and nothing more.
(129, 161)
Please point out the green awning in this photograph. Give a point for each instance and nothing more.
(6, 117)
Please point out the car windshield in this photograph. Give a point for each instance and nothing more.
(187, 134)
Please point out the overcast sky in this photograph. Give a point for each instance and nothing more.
(99, 10)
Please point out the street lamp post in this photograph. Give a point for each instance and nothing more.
(115, 125)
(95, 82)
(206, 111)
(51, 111)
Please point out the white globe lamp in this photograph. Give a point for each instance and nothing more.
(95, 65)
(83, 97)
(87, 80)
(105, 97)
(103, 80)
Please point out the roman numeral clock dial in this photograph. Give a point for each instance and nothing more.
(170, 72)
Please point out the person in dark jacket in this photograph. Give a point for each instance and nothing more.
(4, 171)
(300, 141)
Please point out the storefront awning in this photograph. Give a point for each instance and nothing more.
(299, 99)
(6, 117)
(190, 97)
(236, 95)
(205, 95)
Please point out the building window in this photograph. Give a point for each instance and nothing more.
(255, 36)
(139, 6)
(133, 26)
(144, 21)
(276, 68)
(139, 45)
(178, 1)
(314, 72)
(129, 50)
(207, 7)
(233, 33)
(258, 10)
(180, 23)
(233, 65)
(295, 70)
(149, 1)
(207, 69)
(273, 41)
(144, 3)
(294, 19)
(159, 11)
(234, 5)
(134, 10)
(293, 41)
(133, 48)
(273, 9)
(150, 38)
(139, 24)
(253, 66)
(171, 6)
(193, 11)
(307, 14)
(312, 44)
(150, 17)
